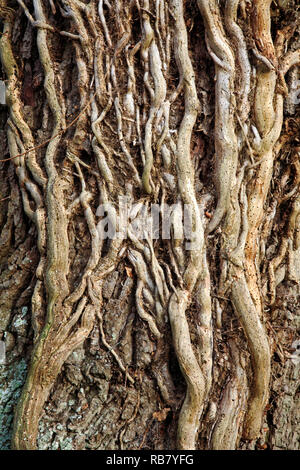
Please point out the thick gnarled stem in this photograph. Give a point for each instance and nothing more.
(161, 103)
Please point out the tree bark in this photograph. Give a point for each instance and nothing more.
(185, 338)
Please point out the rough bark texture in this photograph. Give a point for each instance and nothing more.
(141, 343)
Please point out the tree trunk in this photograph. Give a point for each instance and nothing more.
(150, 227)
